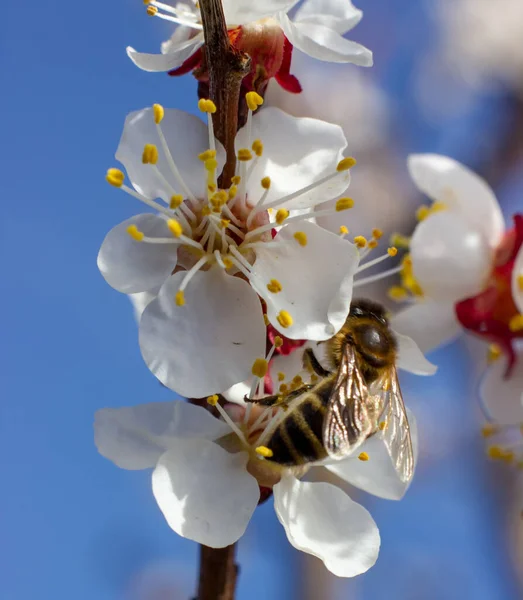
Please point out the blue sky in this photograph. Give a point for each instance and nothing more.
(73, 524)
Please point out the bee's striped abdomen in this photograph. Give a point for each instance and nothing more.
(298, 439)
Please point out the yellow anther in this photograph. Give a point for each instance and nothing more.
(437, 206)
(206, 211)
(264, 451)
(270, 210)
(135, 233)
(179, 298)
(175, 201)
(266, 183)
(397, 293)
(383, 425)
(274, 286)
(508, 457)
(278, 342)
(519, 280)
(115, 177)
(281, 376)
(344, 204)
(206, 105)
(260, 367)
(219, 198)
(284, 319)
(344, 230)
(360, 241)
(253, 100)
(266, 320)
(297, 380)
(283, 388)
(516, 323)
(377, 234)
(489, 430)
(346, 163)
(244, 154)
(158, 112)
(213, 400)
(314, 378)
(224, 223)
(151, 10)
(211, 187)
(400, 241)
(233, 190)
(373, 244)
(422, 213)
(495, 452)
(174, 227)
(281, 215)
(363, 456)
(150, 154)
(210, 164)
(493, 353)
(227, 262)
(236, 180)
(301, 238)
(408, 280)
(392, 251)
(257, 147)
(146, 2)
(203, 156)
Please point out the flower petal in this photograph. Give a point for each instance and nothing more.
(501, 396)
(316, 280)
(130, 266)
(205, 493)
(186, 135)
(140, 300)
(463, 191)
(176, 56)
(323, 43)
(239, 12)
(410, 358)
(517, 280)
(429, 323)
(377, 476)
(339, 16)
(451, 260)
(210, 343)
(297, 152)
(134, 437)
(322, 520)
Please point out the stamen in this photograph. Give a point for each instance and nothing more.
(192, 271)
(343, 231)
(244, 154)
(135, 233)
(115, 177)
(179, 298)
(231, 423)
(285, 319)
(346, 163)
(260, 367)
(150, 154)
(363, 456)
(152, 11)
(377, 277)
(274, 286)
(519, 280)
(301, 238)
(264, 452)
(208, 106)
(400, 241)
(360, 241)
(516, 323)
(143, 199)
(373, 262)
(159, 113)
(494, 353)
(254, 100)
(234, 251)
(397, 293)
(266, 184)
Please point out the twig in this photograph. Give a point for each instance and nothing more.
(218, 573)
(227, 67)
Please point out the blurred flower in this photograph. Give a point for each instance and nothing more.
(263, 30)
(454, 253)
(206, 479)
(213, 253)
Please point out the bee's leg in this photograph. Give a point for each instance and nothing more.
(266, 400)
(310, 362)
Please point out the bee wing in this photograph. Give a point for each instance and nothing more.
(396, 433)
(347, 423)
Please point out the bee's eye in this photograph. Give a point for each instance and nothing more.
(374, 340)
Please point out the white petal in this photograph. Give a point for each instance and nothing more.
(316, 281)
(181, 34)
(186, 136)
(450, 259)
(429, 323)
(339, 16)
(176, 56)
(463, 191)
(205, 493)
(410, 358)
(210, 343)
(517, 278)
(503, 398)
(239, 12)
(237, 392)
(377, 476)
(322, 520)
(140, 300)
(323, 43)
(297, 152)
(130, 266)
(134, 437)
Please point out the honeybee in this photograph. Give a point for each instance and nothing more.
(359, 397)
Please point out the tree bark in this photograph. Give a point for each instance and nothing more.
(218, 573)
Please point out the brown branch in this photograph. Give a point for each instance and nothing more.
(227, 67)
(218, 573)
